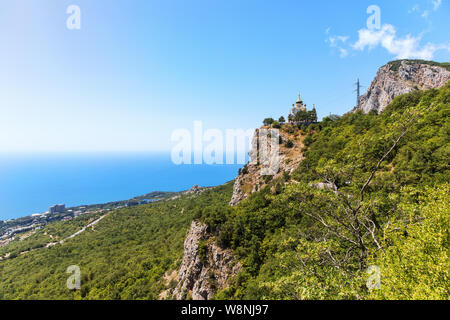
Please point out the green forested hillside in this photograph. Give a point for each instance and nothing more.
(391, 211)
(123, 257)
(396, 63)
(295, 241)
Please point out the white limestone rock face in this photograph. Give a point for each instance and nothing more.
(238, 195)
(324, 186)
(394, 80)
(201, 277)
(252, 180)
(252, 167)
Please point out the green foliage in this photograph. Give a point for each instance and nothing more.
(124, 257)
(394, 65)
(276, 125)
(303, 242)
(357, 141)
(301, 116)
(327, 121)
(388, 207)
(289, 144)
(415, 264)
(203, 251)
(305, 116)
(53, 232)
(308, 140)
(268, 121)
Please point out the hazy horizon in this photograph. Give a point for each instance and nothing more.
(136, 71)
(32, 183)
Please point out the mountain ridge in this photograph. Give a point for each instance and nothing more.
(400, 77)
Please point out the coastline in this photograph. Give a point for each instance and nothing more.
(31, 183)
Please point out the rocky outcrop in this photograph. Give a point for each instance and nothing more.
(238, 195)
(324, 186)
(251, 179)
(247, 176)
(205, 267)
(400, 77)
(195, 190)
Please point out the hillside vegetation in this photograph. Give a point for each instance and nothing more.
(123, 257)
(390, 211)
(394, 65)
(386, 208)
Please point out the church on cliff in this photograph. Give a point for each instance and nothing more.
(300, 115)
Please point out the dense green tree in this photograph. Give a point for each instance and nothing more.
(268, 121)
(415, 263)
(276, 125)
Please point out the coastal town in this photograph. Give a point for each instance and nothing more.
(21, 227)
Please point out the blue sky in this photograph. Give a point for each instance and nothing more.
(137, 70)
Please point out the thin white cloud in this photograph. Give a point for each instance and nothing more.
(343, 52)
(436, 4)
(337, 42)
(331, 41)
(402, 47)
(433, 6)
(425, 14)
(415, 8)
(343, 38)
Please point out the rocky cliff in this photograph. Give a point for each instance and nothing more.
(399, 77)
(250, 179)
(205, 267)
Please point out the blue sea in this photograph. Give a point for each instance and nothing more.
(31, 183)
